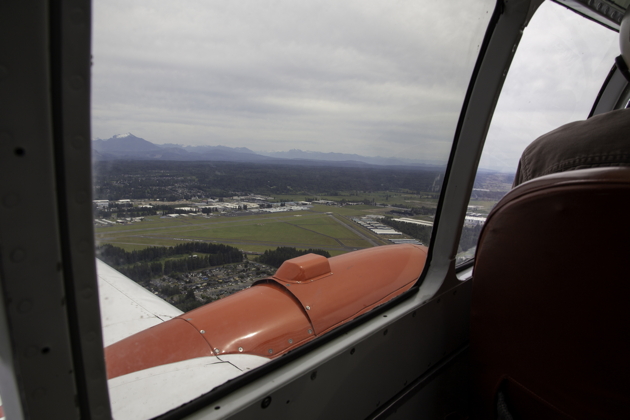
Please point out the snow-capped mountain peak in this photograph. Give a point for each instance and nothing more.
(121, 136)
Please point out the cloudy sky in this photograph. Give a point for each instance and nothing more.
(556, 74)
(376, 78)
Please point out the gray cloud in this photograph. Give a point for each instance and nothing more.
(554, 79)
(369, 77)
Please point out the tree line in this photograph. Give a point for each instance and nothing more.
(142, 272)
(142, 265)
(276, 257)
(116, 256)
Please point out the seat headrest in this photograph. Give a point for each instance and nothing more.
(549, 299)
(624, 37)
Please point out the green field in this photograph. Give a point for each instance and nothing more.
(325, 227)
(305, 229)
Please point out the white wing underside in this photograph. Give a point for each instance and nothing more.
(151, 392)
(127, 307)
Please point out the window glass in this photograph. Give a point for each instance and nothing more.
(231, 136)
(559, 67)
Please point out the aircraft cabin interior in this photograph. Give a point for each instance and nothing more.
(530, 323)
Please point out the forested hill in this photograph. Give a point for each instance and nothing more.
(151, 179)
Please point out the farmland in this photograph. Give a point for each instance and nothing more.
(253, 233)
(256, 208)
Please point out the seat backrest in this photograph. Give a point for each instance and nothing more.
(550, 323)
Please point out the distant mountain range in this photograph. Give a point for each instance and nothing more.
(342, 157)
(130, 147)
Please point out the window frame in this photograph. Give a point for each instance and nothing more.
(61, 176)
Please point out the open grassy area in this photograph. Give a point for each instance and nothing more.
(129, 247)
(257, 232)
(275, 232)
(130, 243)
(325, 227)
(354, 243)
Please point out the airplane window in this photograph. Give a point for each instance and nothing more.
(554, 79)
(230, 137)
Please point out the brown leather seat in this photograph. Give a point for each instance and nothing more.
(550, 324)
